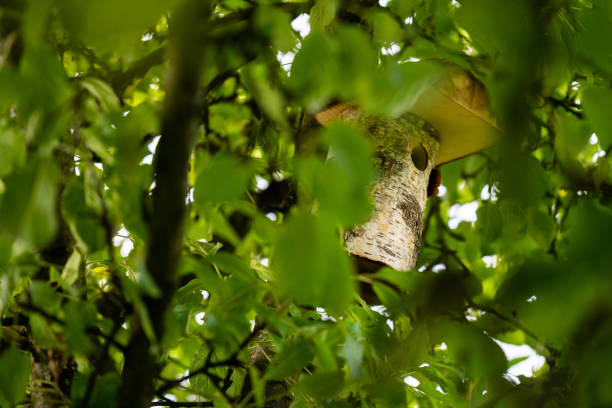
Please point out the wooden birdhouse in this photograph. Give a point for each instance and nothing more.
(449, 119)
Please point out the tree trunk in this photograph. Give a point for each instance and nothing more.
(406, 149)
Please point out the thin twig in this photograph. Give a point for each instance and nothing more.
(93, 330)
(512, 322)
(169, 403)
(231, 361)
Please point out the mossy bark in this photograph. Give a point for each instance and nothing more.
(406, 149)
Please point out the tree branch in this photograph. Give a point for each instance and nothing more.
(137, 69)
(93, 330)
(177, 404)
(180, 123)
(232, 360)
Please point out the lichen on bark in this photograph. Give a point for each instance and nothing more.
(393, 233)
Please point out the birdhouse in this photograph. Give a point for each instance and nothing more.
(448, 120)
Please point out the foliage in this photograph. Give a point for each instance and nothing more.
(86, 88)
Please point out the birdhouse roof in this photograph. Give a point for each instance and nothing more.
(455, 104)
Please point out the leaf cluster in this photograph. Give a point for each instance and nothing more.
(266, 307)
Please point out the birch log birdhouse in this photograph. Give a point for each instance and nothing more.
(449, 119)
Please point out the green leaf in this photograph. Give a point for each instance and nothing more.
(404, 8)
(350, 151)
(321, 385)
(341, 186)
(36, 18)
(322, 13)
(44, 297)
(314, 70)
(223, 178)
(72, 269)
(476, 352)
(113, 24)
(131, 128)
(352, 351)
(293, 355)
(229, 118)
(516, 360)
(317, 74)
(324, 276)
(202, 383)
(541, 227)
(105, 391)
(79, 316)
(388, 393)
(523, 180)
(276, 24)
(102, 92)
(258, 384)
(268, 97)
(12, 149)
(493, 29)
(82, 217)
(28, 205)
(594, 28)
(386, 28)
(43, 333)
(596, 103)
(14, 374)
(46, 93)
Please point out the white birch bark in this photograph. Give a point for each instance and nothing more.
(393, 235)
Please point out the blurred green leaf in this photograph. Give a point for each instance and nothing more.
(14, 375)
(540, 226)
(322, 13)
(202, 383)
(79, 316)
(388, 393)
(472, 349)
(223, 178)
(320, 385)
(324, 276)
(113, 24)
(386, 29)
(105, 391)
(43, 333)
(352, 351)
(293, 355)
(101, 91)
(28, 205)
(596, 102)
(228, 118)
(45, 297)
(72, 269)
(493, 29)
(83, 219)
(277, 25)
(12, 149)
(341, 186)
(593, 29)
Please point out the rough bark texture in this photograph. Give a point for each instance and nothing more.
(393, 234)
(277, 391)
(50, 378)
